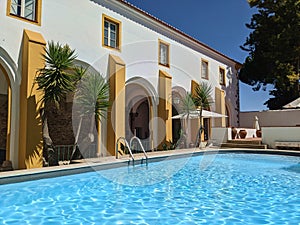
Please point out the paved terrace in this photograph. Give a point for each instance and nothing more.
(93, 164)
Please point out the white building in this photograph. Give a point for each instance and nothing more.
(147, 62)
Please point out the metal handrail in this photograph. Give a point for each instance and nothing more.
(140, 143)
(126, 144)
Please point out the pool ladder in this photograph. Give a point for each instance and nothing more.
(129, 148)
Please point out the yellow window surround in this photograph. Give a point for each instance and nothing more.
(118, 32)
(206, 75)
(20, 6)
(160, 58)
(222, 76)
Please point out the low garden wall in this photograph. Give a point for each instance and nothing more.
(270, 135)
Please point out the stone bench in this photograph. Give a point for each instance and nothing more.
(287, 144)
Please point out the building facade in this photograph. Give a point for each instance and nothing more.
(149, 65)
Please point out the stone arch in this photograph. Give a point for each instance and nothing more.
(141, 111)
(178, 93)
(8, 72)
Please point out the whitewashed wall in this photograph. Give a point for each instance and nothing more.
(272, 134)
(271, 118)
(79, 24)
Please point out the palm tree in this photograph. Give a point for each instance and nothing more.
(56, 79)
(201, 98)
(92, 100)
(187, 106)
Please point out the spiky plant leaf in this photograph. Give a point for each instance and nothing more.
(57, 78)
(93, 95)
(202, 95)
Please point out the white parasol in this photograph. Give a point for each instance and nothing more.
(195, 114)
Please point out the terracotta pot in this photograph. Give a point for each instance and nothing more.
(258, 133)
(243, 134)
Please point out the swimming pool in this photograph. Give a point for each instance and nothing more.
(230, 189)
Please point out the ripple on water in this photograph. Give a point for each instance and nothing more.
(234, 189)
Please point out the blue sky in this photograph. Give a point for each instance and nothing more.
(217, 23)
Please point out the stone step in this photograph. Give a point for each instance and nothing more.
(244, 141)
(242, 145)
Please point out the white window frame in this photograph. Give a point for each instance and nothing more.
(19, 7)
(109, 34)
(221, 76)
(164, 57)
(204, 76)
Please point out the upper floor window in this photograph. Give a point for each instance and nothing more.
(27, 10)
(222, 76)
(24, 8)
(111, 32)
(204, 69)
(164, 54)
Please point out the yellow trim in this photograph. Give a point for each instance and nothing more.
(165, 74)
(116, 111)
(30, 129)
(220, 107)
(165, 107)
(38, 13)
(207, 77)
(224, 77)
(8, 133)
(194, 84)
(168, 45)
(119, 35)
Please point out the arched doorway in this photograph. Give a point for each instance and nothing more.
(140, 111)
(176, 123)
(178, 93)
(4, 115)
(139, 119)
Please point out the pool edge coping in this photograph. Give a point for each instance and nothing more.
(95, 164)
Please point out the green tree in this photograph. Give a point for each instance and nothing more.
(56, 79)
(274, 50)
(186, 108)
(92, 100)
(202, 100)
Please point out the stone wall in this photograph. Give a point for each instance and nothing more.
(60, 123)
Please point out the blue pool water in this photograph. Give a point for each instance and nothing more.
(219, 189)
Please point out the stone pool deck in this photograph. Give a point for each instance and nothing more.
(94, 164)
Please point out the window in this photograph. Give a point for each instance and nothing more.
(111, 33)
(164, 54)
(204, 69)
(222, 76)
(25, 9)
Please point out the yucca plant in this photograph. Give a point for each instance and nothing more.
(202, 100)
(56, 79)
